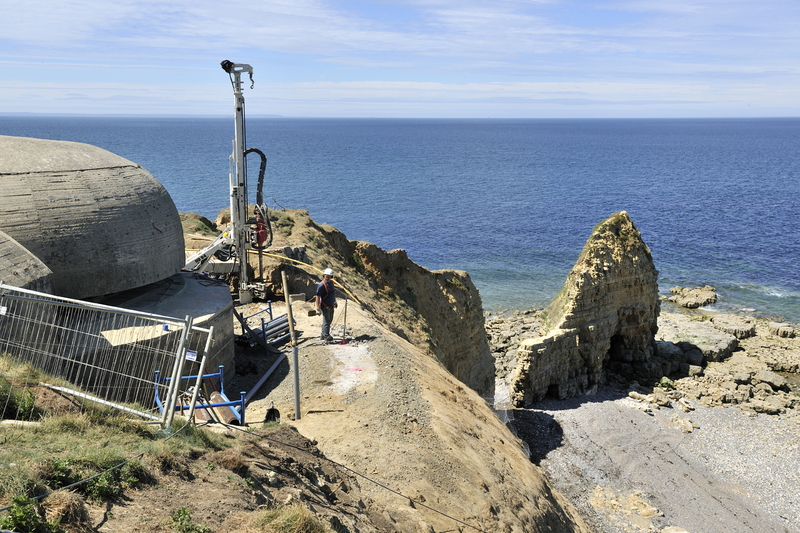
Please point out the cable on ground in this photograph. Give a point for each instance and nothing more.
(359, 474)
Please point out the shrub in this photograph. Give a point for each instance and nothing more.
(666, 383)
(292, 519)
(182, 522)
(24, 518)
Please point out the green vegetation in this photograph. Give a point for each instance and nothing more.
(23, 517)
(358, 263)
(455, 282)
(282, 221)
(194, 223)
(666, 383)
(69, 447)
(110, 484)
(182, 522)
(17, 403)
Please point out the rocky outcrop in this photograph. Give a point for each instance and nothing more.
(697, 334)
(100, 223)
(782, 329)
(739, 327)
(439, 311)
(505, 333)
(721, 370)
(449, 304)
(605, 317)
(693, 298)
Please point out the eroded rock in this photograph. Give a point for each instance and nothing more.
(739, 327)
(604, 317)
(781, 329)
(693, 298)
(689, 332)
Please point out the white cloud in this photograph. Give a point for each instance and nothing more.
(652, 50)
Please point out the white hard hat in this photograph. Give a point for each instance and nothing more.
(328, 272)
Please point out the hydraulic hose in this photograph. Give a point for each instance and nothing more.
(260, 193)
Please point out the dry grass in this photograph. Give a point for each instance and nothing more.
(290, 519)
(69, 508)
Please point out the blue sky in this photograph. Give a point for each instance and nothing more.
(418, 58)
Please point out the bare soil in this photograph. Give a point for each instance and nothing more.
(385, 440)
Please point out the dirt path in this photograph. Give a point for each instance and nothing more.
(628, 470)
(380, 407)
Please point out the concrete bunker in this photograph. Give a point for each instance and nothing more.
(80, 222)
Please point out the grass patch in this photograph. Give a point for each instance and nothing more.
(194, 223)
(456, 283)
(358, 264)
(290, 519)
(282, 221)
(69, 448)
(18, 403)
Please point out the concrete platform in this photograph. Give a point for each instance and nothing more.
(208, 301)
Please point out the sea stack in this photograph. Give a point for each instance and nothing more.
(604, 317)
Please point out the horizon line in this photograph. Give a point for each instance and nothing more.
(292, 117)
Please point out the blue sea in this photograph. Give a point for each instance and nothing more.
(510, 201)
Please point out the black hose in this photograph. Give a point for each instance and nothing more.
(260, 187)
(224, 253)
(260, 193)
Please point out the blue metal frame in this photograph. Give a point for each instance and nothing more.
(267, 310)
(235, 403)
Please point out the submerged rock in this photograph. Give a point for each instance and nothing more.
(605, 317)
(693, 298)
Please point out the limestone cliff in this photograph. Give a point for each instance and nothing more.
(605, 316)
(448, 305)
(439, 311)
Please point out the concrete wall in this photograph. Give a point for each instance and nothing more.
(101, 223)
(20, 268)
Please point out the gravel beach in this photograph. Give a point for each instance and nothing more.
(630, 470)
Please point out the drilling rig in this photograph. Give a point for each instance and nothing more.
(227, 255)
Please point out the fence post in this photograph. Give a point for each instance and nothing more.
(177, 369)
(295, 362)
(200, 373)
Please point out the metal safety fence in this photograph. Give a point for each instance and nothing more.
(59, 354)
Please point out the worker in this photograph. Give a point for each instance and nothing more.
(326, 301)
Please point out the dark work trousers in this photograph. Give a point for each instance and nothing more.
(327, 320)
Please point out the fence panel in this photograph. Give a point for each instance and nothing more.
(58, 354)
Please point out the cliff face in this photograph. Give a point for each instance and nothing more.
(448, 307)
(438, 311)
(605, 317)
